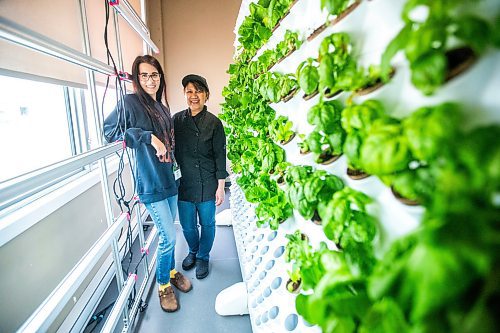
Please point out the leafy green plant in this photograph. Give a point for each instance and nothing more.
(273, 207)
(274, 210)
(335, 7)
(432, 130)
(420, 261)
(327, 138)
(280, 171)
(307, 188)
(303, 145)
(305, 260)
(426, 40)
(289, 43)
(325, 147)
(256, 29)
(326, 116)
(269, 58)
(274, 86)
(347, 223)
(270, 154)
(385, 149)
(280, 130)
(339, 301)
(431, 134)
(334, 57)
(357, 120)
(308, 76)
(294, 283)
(338, 69)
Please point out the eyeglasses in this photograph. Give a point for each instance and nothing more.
(145, 76)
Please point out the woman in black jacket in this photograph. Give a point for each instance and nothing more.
(202, 159)
(145, 124)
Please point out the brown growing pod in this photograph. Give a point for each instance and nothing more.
(375, 85)
(290, 95)
(345, 13)
(326, 158)
(317, 31)
(285, 15)
(316, 219)
(289, 139)
(311, 95)
(333, 21)
(406, 201)
(459, 60)
(302, 152)
(329, 94)
(286, 55)
(293, 286)
(357, 174)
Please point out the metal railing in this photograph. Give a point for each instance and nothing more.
(124, 8)
(16, 189)
(18, 34)
(48, 311)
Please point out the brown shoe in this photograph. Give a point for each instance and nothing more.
(168, 301)
(181, 282)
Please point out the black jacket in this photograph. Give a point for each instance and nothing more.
(154, 180)
(201, 154)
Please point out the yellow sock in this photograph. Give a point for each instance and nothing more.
(164, 286)
(172, 273)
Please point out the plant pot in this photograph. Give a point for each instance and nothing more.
(286, 14)
(330, 94)
(289, 95)
(345, 13)
(289, 139)
(326, 159)
(276, 26)
(286, 55)
(311, 95)
(334, 21)
(293, 287)
(400, 198)
(317, 31)
(316, 219)
(374, 86)
(459, 60)
(357, 174)
(301, 152)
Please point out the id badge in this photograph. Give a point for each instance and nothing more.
(177, 171)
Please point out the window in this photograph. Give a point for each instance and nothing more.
(34, 128)
(109, 104)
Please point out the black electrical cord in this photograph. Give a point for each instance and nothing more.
(98, 317)
(119, 188)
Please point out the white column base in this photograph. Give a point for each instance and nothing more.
(232, 300)
(224, 218)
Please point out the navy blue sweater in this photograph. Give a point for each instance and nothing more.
(154, 179)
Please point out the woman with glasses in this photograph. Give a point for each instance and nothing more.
(202, 159)
(145, 124)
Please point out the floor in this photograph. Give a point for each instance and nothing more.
(197, 313)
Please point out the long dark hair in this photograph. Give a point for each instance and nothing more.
(162, 121)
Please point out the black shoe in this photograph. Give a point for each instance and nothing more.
(201, 269)
(189, 262)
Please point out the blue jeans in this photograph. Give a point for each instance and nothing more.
(163, 215)
(189, 213)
